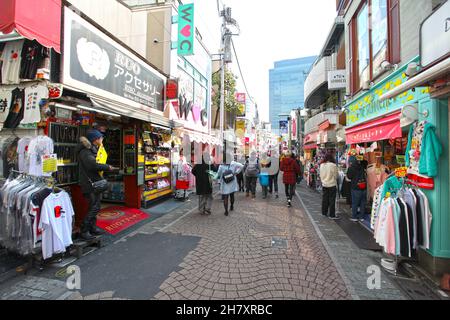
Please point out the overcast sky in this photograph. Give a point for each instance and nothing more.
(270, 31)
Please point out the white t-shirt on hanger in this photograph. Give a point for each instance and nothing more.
(39, 146)
(5, 103)
(56, 222)
(33, 96)
(12, 56)
(22, 150)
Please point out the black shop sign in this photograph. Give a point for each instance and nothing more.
(97, 64)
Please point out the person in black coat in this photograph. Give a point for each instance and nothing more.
(89, 172)
(203, 185)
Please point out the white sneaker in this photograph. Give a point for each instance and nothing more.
(335, 218)
(354, 220)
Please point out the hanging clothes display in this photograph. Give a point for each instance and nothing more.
(422, 155)
(5, 102)
(376, 176)
(33, 56)
(11, 57)
(30, 212)
(402, 222)
(16, 109)
(37, 148)
(33, 96)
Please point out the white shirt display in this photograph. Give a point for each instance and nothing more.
(38, 147)
(5, 103)
(12, 56)
(22, 150)
(56, 224)
(33, 96)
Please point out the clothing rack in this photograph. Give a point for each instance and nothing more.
(35, 257)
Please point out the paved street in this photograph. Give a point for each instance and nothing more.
(263, 250)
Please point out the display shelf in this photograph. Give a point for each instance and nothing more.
(157, 176)
(160, 193)
(67, 164)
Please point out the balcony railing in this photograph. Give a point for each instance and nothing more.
(318, 75)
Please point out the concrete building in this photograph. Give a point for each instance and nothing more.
(286, 81)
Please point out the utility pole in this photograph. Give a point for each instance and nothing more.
(225, 58)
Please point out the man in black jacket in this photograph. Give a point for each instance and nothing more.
(203, 185)
(90, 173)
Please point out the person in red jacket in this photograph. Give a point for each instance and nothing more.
(290, 170)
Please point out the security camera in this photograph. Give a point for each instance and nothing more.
(155, 40)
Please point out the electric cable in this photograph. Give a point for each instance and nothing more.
(240, 71)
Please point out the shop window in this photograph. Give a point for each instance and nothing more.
(374, 34)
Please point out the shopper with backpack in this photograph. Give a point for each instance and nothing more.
(252, 170)
(357, 174)
(228, 181)
(290, 170)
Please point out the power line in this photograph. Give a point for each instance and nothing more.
(240, 71)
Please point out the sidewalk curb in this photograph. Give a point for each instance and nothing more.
(341, 272)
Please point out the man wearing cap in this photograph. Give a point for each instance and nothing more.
(90, 172)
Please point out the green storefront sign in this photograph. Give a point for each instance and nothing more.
(186, 30)
(368, 106)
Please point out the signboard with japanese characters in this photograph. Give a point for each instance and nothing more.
(95, 63)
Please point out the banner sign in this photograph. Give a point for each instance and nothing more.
(186, 30)
(284, 127)
(240, 128)
(96, 64)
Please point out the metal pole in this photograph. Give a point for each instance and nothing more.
(222, 98)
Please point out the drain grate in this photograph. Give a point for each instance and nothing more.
(278, 242)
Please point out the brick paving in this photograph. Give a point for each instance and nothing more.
(236, 260)
(351, 261)
(311, 257)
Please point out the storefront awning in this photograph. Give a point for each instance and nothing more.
(385, 128)
(310, 146)
(127, 111)
(199, 137)
(34, 20)
(311, 138)
(420, 80)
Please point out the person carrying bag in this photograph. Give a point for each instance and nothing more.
(91, 182)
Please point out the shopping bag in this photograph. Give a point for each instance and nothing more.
(264, 179)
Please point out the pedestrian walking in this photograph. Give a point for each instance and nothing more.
(203, 185)
(91, 180)
(357, 175)
(290, 170)
(274, 170)
(252, 170)
(264, 175)
(240, 176)
(228, 182)
(329, 176)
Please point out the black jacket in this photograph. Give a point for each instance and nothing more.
(355, 173)
(203, 186)
(88, 166)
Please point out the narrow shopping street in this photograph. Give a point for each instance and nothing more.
(262, 250)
